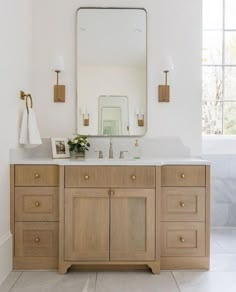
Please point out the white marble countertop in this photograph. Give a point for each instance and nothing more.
(105, 161)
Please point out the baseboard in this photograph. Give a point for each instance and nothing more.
(223, 228)
(5, 256)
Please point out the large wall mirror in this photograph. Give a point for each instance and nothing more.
(111, 72)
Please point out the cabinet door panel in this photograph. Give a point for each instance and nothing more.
(86, 224)
(132, 225)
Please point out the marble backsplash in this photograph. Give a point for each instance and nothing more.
(223, 189)
(150, 148)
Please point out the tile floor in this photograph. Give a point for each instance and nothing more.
(221, 277)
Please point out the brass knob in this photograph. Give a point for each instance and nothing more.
(37, 239)
(133, 177)
(112, 193)
(37, 175)
(182, 175)
(181, 239)
(182, 204)
(86, 177)
(37, 204)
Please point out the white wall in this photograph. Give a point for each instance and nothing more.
(174, 28)
(15, 51)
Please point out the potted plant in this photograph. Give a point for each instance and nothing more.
(78, 145)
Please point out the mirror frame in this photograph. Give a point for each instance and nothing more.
(76, 67)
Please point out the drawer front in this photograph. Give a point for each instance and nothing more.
(86, 176)
(183, 175)
(183, 239)
(133, 177)
(36, 175)
(182, 204)
(37, 203)
(36, 239)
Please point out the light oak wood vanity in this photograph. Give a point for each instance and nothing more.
(110, 216)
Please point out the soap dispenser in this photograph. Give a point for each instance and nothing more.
(137, 152)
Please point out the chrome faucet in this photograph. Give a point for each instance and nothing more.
(111, 151)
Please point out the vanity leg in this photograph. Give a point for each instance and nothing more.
(63, 268)
(155, 267)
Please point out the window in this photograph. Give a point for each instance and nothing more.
(219, 67)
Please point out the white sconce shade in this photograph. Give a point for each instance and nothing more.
(84, 110)
(167, 64)
(58, 64)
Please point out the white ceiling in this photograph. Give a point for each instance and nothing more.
(111, 37)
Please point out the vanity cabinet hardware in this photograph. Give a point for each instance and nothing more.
(182, 175)
(86, 177)
(37, 239)
(181, 239)
(37, 175)
(37, 204)
(133, 177)
(182, 204)
(111, 193)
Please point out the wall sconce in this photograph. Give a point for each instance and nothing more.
(164, 90)
(59, 90)
(85, 116)
(140, 118)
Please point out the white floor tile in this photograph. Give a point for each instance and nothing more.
(223, 262)
(53, 282)
(216, 248)
(226, 238)
(135, 282)
(10, 281)
(206, 281)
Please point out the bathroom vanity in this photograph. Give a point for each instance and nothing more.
(112, 214)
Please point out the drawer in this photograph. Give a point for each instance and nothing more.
(37, 203)
(182, 204)
(86, 176)
(37, 175)
(182, 239)
(183, 175)
(133, 176)
(36, 239)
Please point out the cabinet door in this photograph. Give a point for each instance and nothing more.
(132, 225)
(86, 225)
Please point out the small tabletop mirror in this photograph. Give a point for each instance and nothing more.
(111, 72)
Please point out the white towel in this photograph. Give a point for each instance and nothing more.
(29, 133)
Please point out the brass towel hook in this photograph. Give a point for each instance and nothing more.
(26, 97)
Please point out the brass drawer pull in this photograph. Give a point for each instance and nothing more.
(133, 177)
(181, 239)
(37, 239)
(37, 175)
(112, 193)
(182, 204)
(182, 175)
(37, 204)
(86, 177)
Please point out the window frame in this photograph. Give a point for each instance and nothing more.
(223, 66)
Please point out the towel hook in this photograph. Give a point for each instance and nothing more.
(26, 97)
